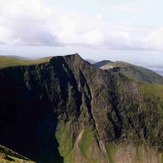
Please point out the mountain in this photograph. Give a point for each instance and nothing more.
(63, 109)
(133, 72)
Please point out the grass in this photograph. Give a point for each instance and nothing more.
(139, 154)
(89, 147)
(67, 144)
(85, 142)
(65, 140)
(8, 155)
(120, 64)
(14, 160)
(152, 89)
(6, 61)
(110, 150)
(161, 157)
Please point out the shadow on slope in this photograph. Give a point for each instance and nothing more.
(27, 120)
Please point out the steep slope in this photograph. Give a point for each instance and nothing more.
(133, 72)
(66, 110)
(7, 155)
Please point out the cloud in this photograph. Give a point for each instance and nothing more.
(125, 7)
(135, 38)
(99, 16)
(23, 22)
(131, 6)
(35, 23)
(2, 43)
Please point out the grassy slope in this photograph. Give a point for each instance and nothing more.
(119, 63)
(7, 155)
(6, 61)
(152, 89)
(134, 72)
(65, 141)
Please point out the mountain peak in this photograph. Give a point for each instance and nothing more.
(75, 56)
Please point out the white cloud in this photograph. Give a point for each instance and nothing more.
(155, 38)
(99, 16)
(125, 7)
(136, 38)
(33, 22)
(130, 5)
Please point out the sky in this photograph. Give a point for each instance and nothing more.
(128, 30)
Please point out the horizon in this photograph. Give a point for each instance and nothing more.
(157, 69)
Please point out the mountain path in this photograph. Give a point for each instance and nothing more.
(79, 137)
(78, 153)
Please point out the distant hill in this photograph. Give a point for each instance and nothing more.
(19, 57)
(133, 72)
(91, 61)
(101, 63)
(8, 61)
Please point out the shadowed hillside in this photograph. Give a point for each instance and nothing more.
(7, 155)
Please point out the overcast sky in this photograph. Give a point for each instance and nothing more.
(129, 30)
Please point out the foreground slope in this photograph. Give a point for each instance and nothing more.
(7, 155)
(66, 110)
(133, 72)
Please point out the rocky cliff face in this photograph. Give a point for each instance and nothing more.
(66, 110)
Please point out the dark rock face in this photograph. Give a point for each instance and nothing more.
(27, 116)
(34, 99)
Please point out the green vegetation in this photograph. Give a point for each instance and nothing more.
(8, 155)
(152, 89)
(65, 140)
(111, 150)
(89, 146)
(120, 64)
(85, 142)
(133, 72)
(11, 61)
